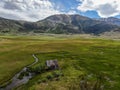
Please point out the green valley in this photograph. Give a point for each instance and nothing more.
(83, 63)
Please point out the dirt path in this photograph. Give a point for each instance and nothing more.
(36, 60)
(17, 82)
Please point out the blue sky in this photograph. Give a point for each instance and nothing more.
(34, 10)
(67, 5)
(71, 5)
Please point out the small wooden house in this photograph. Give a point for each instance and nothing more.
(52, 64)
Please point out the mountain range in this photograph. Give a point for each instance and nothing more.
(61, 24)
(111, 20)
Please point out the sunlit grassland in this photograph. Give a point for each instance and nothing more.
(16, 52)
(76, 57)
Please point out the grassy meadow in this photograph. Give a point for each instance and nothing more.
(95, 61)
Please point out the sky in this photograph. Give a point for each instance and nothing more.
(34, 10)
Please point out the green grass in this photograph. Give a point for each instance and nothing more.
(77, 57)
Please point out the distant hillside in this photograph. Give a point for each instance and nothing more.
(7, 25)
(58, 24)
(111, 20)
(74, 24)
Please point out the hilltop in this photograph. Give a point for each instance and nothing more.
(58, 24)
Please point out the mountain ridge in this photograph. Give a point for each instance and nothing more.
(111, 20)
(58, 24)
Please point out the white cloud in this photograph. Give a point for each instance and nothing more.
(31, 10)
(105, 8)
(72, 12)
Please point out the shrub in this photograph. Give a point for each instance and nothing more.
(38, 69)
(39, 81)
(22, 74)
(44, 80)
(50, 77)
(57, 74)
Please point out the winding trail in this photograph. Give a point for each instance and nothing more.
(36, 60)
(15, 82)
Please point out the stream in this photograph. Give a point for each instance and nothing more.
(15, 82)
